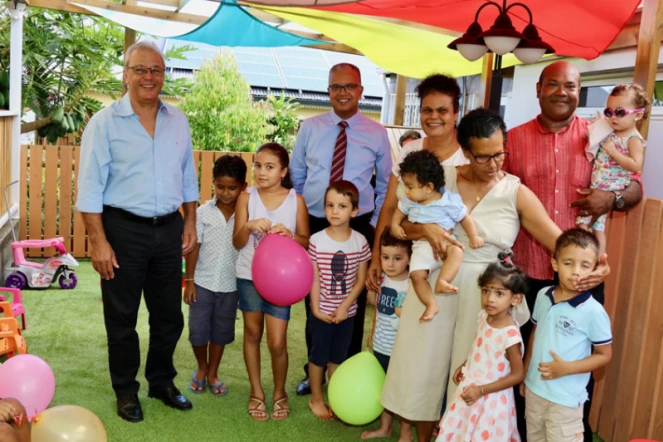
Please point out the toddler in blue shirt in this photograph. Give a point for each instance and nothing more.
(428, 202)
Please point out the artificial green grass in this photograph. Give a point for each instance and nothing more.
(66, 329)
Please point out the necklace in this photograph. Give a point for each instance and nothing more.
(475, 189)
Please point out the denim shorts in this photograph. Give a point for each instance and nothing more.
(212, 317)
(250, 301)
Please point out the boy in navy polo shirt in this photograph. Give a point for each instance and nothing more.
(559, 357)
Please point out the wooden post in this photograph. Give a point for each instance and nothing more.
(649, 43)
(486, 79)
(399, 110)
(129, 39)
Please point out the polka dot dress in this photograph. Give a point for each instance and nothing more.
(492, 417)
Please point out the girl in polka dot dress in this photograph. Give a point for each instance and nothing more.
(483, 408)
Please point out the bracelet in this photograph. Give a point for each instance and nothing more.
(481, 387)
(188, 279)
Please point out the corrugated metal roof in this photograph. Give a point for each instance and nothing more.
(291, 68)
(312, 97)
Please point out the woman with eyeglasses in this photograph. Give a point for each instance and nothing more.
(424, 354)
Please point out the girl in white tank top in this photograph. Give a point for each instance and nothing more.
(270, 207)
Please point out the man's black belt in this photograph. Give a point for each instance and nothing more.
(152, 220)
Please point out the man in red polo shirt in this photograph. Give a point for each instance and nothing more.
(548, 155)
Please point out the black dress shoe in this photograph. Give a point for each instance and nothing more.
(171, 397)
(128, 407)
(304, 388)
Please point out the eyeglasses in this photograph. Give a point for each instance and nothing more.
(350, 87)
(483, 159)
(142, 70)
(620, 112)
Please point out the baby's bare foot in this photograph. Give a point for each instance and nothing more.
(430, 312)
(443, 286)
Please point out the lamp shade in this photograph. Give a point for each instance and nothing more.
(502, 37)
(472, 52)
(529, 55)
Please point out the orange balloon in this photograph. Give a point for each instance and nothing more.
(68, 423)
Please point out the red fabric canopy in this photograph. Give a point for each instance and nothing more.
(575, 28)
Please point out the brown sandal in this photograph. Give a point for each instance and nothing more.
(260, 412)
(280, 412)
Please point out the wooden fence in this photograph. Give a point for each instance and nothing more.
(48, 187)
(629, 392)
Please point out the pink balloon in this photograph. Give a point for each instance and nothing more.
(29, 379)
(282, 270)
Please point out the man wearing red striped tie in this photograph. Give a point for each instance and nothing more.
(342, 144)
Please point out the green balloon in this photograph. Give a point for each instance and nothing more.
(355, 389)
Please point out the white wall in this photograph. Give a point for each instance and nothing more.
(610, 68)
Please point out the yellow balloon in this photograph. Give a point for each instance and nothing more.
(69, 423)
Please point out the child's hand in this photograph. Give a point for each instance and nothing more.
(458, 375)
(476, 242)
(522, 387)
(398, 311)
(261, 225)
(281, 230)
(398, 232)
(7, 411)
(609, 147)
(553, 370)
(189, 293)
(340, 315)
(471, 394)
(324, 317)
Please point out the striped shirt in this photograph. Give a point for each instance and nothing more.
(553, 165)
(338, 263)
(392, 294)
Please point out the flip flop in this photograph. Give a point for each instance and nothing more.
(201, 385)
(260, 412)
(219, 389)
(285, 411)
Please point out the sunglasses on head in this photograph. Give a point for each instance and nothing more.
(620, 112)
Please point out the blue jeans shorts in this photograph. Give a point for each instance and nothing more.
(212, 317)
(251, 301)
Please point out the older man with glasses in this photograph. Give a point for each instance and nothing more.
(136, 171)
(338, 145)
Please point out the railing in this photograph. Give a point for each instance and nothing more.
(5, 158)
(629, 393)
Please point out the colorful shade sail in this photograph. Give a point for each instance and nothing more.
(230, 25)
(397, 48)
(575, 28)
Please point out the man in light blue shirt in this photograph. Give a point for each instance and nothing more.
(365, 150)
(136, 170)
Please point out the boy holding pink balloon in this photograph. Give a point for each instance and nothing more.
(340, 258)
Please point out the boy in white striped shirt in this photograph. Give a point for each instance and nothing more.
(340, 258)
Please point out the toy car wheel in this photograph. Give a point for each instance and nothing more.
(16, 281)
(67, 280)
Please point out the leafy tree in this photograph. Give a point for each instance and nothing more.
(221, 111)
(284, 119)
(65, 56)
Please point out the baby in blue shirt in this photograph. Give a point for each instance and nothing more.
(428, 202)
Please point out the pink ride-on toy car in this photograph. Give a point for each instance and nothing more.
(24, 273)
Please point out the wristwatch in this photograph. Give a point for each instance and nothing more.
(619, 201)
